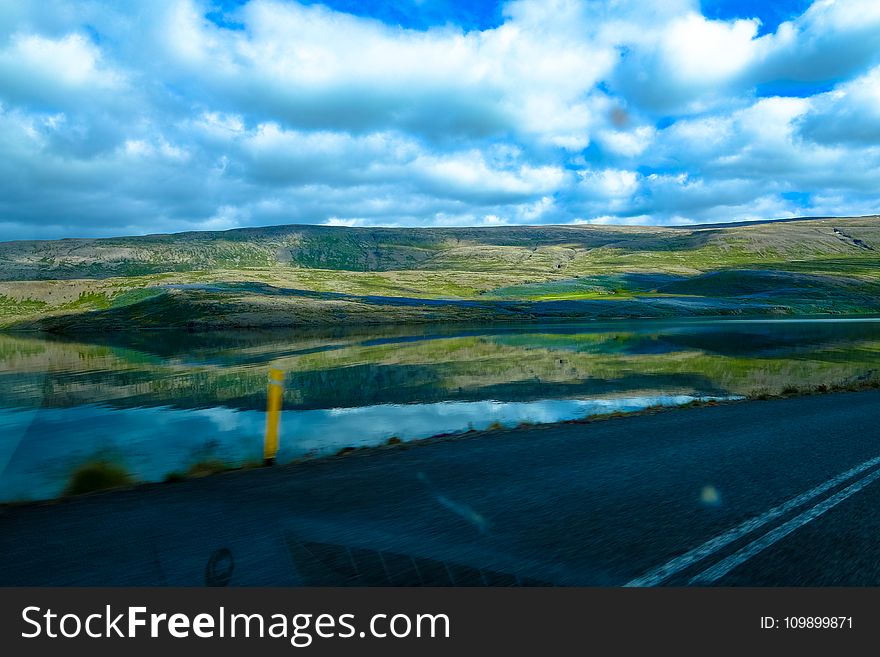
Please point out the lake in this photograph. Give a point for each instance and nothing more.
(159, 404)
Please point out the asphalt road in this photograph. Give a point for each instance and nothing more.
(782, 492)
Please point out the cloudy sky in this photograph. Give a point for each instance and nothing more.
(164, 115)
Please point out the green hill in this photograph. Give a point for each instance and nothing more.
(299, 275)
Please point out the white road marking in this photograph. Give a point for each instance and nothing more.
(724, 566)
(710, 547)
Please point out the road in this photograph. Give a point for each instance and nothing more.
(780, 492)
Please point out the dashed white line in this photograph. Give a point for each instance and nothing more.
(710, 547)
(724, 566)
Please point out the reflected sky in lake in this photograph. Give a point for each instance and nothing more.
(159, 403)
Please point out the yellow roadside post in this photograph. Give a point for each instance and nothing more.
(273, 415)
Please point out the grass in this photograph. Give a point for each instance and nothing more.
(763, 394)
(206, 467)
(17, 307)
(133, 296)
(89, 301)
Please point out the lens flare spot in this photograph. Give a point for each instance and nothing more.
(709, 496)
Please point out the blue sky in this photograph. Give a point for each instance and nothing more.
(128, 118)
(770, 12)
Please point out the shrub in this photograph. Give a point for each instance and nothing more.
(760, 393)
(97, 475)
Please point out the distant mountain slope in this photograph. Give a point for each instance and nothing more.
(389, 249)
(304, 275)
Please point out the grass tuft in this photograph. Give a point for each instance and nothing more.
(206, 467)
(97, 475)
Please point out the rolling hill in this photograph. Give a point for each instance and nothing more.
(310, 275)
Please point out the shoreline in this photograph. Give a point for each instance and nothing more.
(36, 328)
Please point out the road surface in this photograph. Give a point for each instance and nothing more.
(765, 493)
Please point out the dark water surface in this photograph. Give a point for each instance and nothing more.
(159, 403)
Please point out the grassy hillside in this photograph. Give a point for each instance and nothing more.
(299, 275)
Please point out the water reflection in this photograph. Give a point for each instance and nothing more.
(158, 403)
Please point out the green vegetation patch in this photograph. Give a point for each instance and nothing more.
(97, 475)
(13, 306)
(130, 297)
(90, 301)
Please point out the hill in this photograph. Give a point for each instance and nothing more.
(300, 275)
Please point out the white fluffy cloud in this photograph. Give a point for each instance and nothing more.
(119, 118)
(848, 115)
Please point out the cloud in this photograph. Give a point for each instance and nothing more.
(118, 120)
(688, 64)
(832, 39)
(847, 115)
(318, 69)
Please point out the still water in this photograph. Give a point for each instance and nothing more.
(161, 403)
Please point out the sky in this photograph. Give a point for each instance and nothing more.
(123, 118)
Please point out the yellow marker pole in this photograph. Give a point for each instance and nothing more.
(273, 415)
